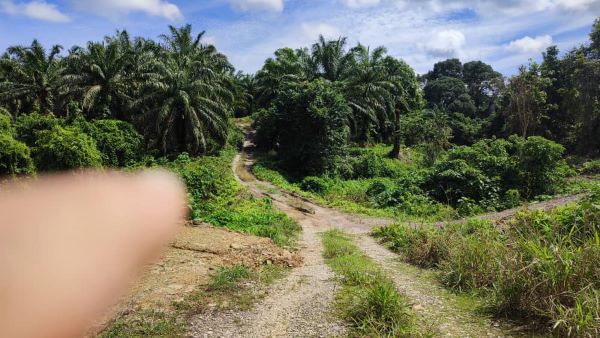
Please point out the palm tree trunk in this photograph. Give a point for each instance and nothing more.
(395, 153)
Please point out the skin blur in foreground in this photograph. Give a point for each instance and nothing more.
(71, 244)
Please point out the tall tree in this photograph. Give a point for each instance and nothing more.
(100, 75)
(188, 102)
(368, 90)
(527, 97)
(407, 97)
(450, 68)
(484, 85)
(33, 78)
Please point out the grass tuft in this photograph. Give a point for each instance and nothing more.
(368, 299)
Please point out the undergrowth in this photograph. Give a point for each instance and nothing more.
(377, 187)
(541, 266)
(368, 299)
(217, 198)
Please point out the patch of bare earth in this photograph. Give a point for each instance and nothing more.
(189, 262)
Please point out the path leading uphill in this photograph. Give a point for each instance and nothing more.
(301, 304)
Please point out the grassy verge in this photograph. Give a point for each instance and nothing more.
(217, 198)
(542, 266)
(231, 288)
(368, 299)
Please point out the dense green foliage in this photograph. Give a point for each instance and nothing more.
(308, 121)
(541, 264)
(179, 93)
(118, 142)
(377, 89)
(65, 148)
(489, 169)
(15, 156)
(217, 198)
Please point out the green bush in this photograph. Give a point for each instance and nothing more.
(5, 123)
(591, 168)
(216, 198)
(310, 119)
(65, 148)
(315, 184)
(27, 126)
(541, 166)
(15, 157)
(118, 141)
(541, 265)
(452, 180)
(491, 168)
(370, 165)
(422, 246)
(511, 199)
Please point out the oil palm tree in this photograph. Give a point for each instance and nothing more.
(106, 75)
(98, 75)
(407, 96)
(368, 91)
(330, 58)
(33, 78)
(188, 101)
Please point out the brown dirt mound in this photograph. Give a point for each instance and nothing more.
(189, 262)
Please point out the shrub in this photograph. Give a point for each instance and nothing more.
(377, 188)
(312, 131)
(422, 246)
(591, 168)
(15, 157)
(511, 199)
(468, 207)
(118, 141)
(369, 165)
(65, 148)
(470, 263)
(541, 265)
(5, 123)
(452, 180)
(27, 126)
(315, 184)
(541, 166)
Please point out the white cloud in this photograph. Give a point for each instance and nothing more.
(40, 10)
(313, 30)
(530, 45)
(446, 43)
(360, 3)
(258, 5)
(117, 8)
(576, 4)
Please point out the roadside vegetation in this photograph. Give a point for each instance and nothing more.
(541, 266)
(368, 299)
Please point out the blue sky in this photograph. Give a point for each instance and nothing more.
(504, 33)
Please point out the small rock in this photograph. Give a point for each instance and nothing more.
(236, 246)
(197, 222)
(417, 307)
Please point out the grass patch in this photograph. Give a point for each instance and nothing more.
(230, 288)
(146, 324)
(541, 267)
(368, 298)
(216, 197)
